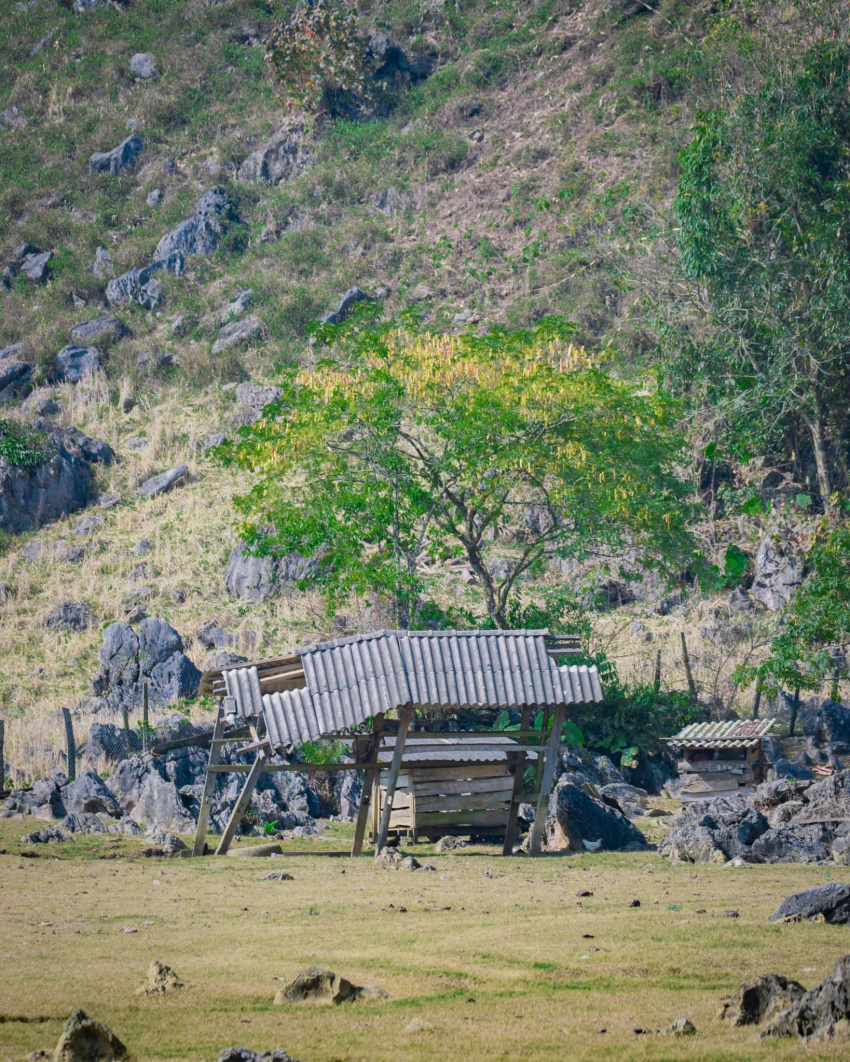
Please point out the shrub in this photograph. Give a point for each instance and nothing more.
(22, 446)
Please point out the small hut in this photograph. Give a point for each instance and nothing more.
(457, 784)
(721, 758)
(348, 687)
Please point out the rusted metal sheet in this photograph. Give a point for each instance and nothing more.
(733, 734)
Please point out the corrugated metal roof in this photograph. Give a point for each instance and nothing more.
(733, 734)
(348, 680)
(454, 749)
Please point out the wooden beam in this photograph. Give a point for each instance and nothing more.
(209, 787)
(241, 805)
(403, 727)
(519, 762)
(368, 786)
(550, 762)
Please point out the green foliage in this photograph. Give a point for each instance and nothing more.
(23, 446)
(316, 53)
(502, 449)
(809, 648)
(323, 751)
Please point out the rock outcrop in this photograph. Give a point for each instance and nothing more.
(257, 579)
(15, 374)
(575, 818)
(281, 157)
(824, 903)
(778, 574)
(761, 999)
(85, 1040)
(819, 1013)
(74, 362)
(164, 482)
(97, 330)
(121, 159)
(317, 985)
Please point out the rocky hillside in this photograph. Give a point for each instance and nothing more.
(168, 236)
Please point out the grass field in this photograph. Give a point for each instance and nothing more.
(498, 956)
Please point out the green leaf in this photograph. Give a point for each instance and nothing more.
(735, 564)
(753, 507)
(573, 734)
(803, 500)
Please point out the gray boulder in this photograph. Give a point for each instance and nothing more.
(279, 158)
(231, 310)
(149, 797)
(793, 844)
(777, 575)
(243, 1054)
(74, 362)
(102, 265)
(83, 1039)
(824, 903)
(143, 66)
(830, 725)
(237, 332)
(15, 375)
(101, 328)
(70, 616)
(61, 484)
(252, 399)
(761, 999)
(36, 266)
(164, 482)
(346, 305)
(818, 1012)
(713, 831)
(257, 579)
(86, 823)
(120, 159)
(625, 793)
(139, 285)
(88, 795)
(201, 232)
(49, 835)
(574, 817)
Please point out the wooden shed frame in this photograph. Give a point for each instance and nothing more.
(329, 690)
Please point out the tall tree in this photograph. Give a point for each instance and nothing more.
(503, 449)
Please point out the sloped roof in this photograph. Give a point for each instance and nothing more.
(348, 680)
(454, 748)
(734, 734)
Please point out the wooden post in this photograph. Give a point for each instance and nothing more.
(242, 803)
(145, 717)
(127, 742)
(795, 708)
(757, 701)
(368, 785)
(656, 685)
(549, 766)
(519, 773)
(209, 786)
(70, 747)
(538, 769)
(392, 780)
(692, 688)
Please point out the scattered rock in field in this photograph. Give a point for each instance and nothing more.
(164, 482)
(347, 304)
(15, 374)
(143, 66)
(126, 826)
(86, 1040)
(243, 1054)
(237, 333)
(777, 575)
(120, 159)
(155, 361)
(314, 984)
(394, 63)
(49, 835)
(279, 158)
(680, 1027)
(278, 875)
(229, 311)
(201, 233)
(160, 981)
(101, 328)
(82, 7)
(142, 547)
(739, 600)
(622, 792)
(255, 851)
(450, 843)
(633, 903)
(11, 117)
(88, 795)
(70, 616)
(222, 659)
(108, 501)
(85, 823)
(824, 903)
(215, 438)
(670, 602)
(761, 999)
(35, 265)
(822, 1013)
(87, 525)
(140, 285)
(69, 554)
(74, 362)
(257, 579)
(252, 399)
(420, 293)
(46, 407)
(102, 265)
(154, 197)
(575, 819)
(393, 859)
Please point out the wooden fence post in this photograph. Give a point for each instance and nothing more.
(127, 742)
(656, 685)
(70, 746)
(692, 687)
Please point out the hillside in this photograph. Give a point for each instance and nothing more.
(513, 182)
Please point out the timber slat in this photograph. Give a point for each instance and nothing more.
(481, 785)
(483, 802)
(464, 818)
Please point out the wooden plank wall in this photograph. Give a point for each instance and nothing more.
(465, 799)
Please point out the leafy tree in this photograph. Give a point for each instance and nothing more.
(762, 228)
(316, 54)
(810, 647)
(398, 445)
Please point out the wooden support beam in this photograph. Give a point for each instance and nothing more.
(241, 805)
(209, 788)
(549, 764)
(519, 762)
(368, 786)
(403, 726)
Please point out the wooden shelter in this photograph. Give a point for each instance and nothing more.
(348, 687)
(455, 784)
(721, 758)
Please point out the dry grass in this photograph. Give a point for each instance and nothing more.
(492, 953)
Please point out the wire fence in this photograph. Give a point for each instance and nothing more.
(66, 740)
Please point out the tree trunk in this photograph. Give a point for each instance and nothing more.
(815, 426)
(757, 702)
(795, 707)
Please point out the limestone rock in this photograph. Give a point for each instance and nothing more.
(237, 332)
(70, 616)
(680, 1027)
(201, 232)
(575, 818)
(160, 981)
(317, 985)
(761, 999)
(86, 1040)
(143, 66)
(164, 482)
(85, 823)
(101, 328)
(257, 579)
(347, 304)
(170, 843)
(49, 835)
(89, 795)
(278, 875)
(826, 903)
(74, 362)
(120, 159)
(15, 374)
(102, 265)
(449, 843)
(36, 266)
(231, 310)
(139, 285)
(393, 859)
(278, 159)
(252, 399)
(777, 574)
(244, 1054)
(61, 484)
(255, 851)
(818, 1012)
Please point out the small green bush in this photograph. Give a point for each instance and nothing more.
(22, 446)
